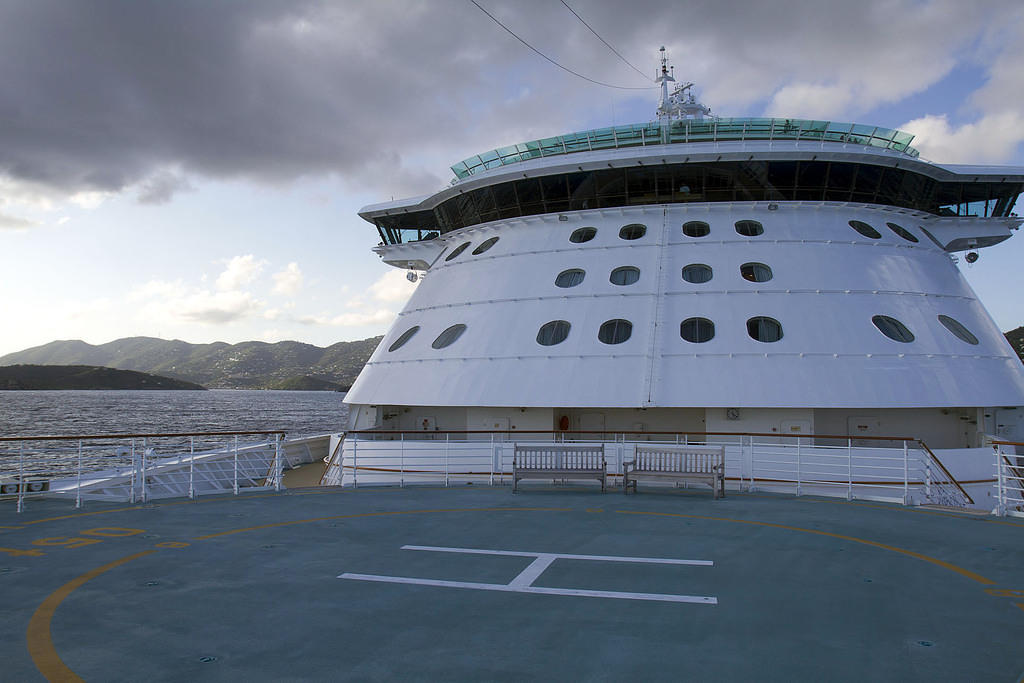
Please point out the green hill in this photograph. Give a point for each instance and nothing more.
(84, 377)
(1016, 339)
(247, 365)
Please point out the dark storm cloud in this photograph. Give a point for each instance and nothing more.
(106, 95)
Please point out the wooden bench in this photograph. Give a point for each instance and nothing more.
(558, 461)
(677, 463)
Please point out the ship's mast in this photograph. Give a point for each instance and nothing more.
(680, 104)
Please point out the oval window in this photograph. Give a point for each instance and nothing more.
(749, 228)
(448, 337)
(406, 336)
(957, 328)
(625, 275)
(633, 231)
(697, 273)
(484, 246)
(764, 329)
(697, 330)
(458, 250)
(581, 235)
(755, 272)
(893, 329)
(696, 229)
(553, 332)
(570, 278)
(865, 229)
(615, 331)
(902, 232)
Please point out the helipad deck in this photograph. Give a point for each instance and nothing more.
(478, 584)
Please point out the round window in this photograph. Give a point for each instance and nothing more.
(633, 231)
(764, 329)
(570, 278)
(893, 329)
(865, 229)
(696, 229)
(625, 275)
(615, 331)
(902, 232)
(755, 272)
(448, 337)
(406, 336)
(553, 332)
(697, 273)
(581, 235)
(484, 246)
(957, 328)
(749, 228)
(458, 250)
(697, 330)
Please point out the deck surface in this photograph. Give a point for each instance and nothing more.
(247, 588)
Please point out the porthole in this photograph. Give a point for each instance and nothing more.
(624, 275)
(406, 336)
(764, 329)
(484, 246)
(697, 330)
(581, 235)
(957, 328)
(893, 329)
(749, 228)
(553, 332)
(696, 229)
(902, 232)
(570, 278)
(458, 250)
(448, 337)
(755, 272)
(633, 231)
(697, 273)
(615, 331)
(865, 229)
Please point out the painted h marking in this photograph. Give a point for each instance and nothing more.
(523, 582)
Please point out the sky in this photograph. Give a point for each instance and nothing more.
(193, 169)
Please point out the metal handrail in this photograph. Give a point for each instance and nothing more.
(637, 433)
(83, 437)
(952, 479)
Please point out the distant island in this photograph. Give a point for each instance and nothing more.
(246, 365)
(39, 377)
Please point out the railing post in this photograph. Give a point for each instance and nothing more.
(1000, 485)
(447, 440)
(191, 467)
(142, 475)
(490, 479)
(21, 477)
(135, 469)
(234, 485)
(355, 462)
(906, 475)
(401, 471)
(799, 490)
(78, 486)
(849, 468)
(277, 458)
(928, 480)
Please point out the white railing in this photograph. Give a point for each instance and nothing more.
(1009, 478)
(906, 471)
(141, 467)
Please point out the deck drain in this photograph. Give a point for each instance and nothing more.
(4, 570)
(925, 643)
(867, 580)
(152, 583)
(267, 547)
(207, 659)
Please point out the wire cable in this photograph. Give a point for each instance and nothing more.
(575, 14)
(563, 68)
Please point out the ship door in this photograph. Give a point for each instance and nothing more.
(592, 426)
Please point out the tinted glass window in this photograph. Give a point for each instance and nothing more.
(570, 278)
(764, 329)
(406, 336)
(756, 272)
(957, 328)
(581, 235)
(865, 229)
(615, 331)
(458, 250)
(633, 231)
(626, 275)
(484, 246)
(696, 229)
(893, 328)
(448, 337)
(749, 228)
(553, 332)
(902, 232)
(697, 273)
(697, 330)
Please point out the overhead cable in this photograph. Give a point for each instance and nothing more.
(575, 14)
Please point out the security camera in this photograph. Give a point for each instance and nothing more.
(972, 256)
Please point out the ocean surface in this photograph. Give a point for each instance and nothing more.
(32, 413)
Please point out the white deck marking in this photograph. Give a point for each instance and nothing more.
(523, 582)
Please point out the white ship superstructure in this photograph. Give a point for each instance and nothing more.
(698, 274)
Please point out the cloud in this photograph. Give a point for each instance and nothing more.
(16, 223)
(289, 280)
(805, 100)
(162, 300)
(376, 317)
(240, 270)
(161, 187)
(392, 287)
(991, 139)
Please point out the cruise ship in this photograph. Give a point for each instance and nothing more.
(698, 275)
